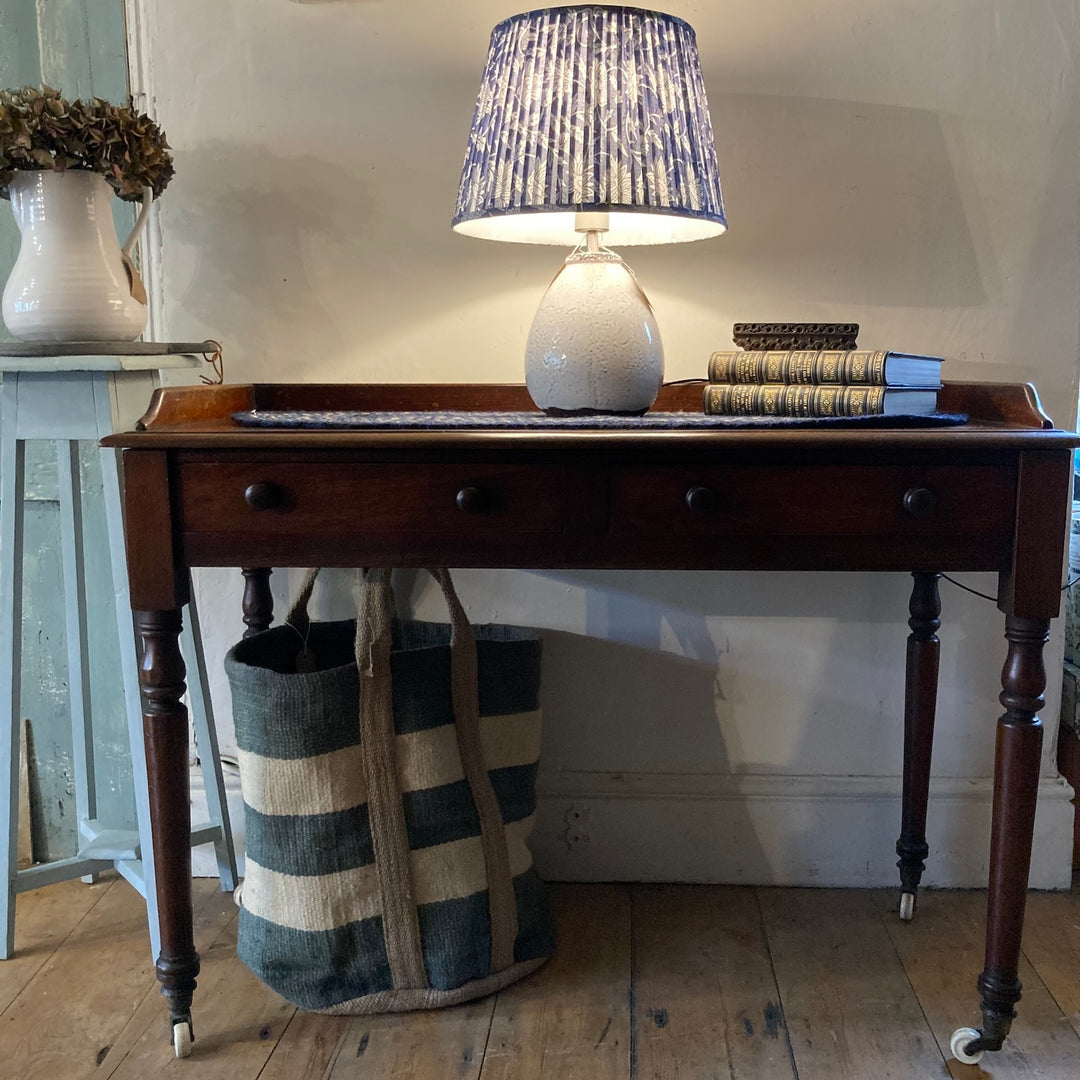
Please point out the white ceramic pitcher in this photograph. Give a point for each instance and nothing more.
(69, 282)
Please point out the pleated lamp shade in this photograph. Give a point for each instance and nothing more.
(594, 108)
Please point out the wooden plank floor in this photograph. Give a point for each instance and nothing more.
(658, 982)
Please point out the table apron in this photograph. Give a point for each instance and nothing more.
(902, 515)
(939, 553)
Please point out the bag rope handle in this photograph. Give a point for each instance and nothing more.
(375, 612)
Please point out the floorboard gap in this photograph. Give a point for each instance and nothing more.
(776, 983)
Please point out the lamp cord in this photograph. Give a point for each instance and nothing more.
(993, 599)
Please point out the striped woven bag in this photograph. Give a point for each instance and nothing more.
(387, 865)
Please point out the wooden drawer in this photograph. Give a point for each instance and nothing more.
(812, 500)
(452, 502)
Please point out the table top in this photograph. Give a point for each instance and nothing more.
(1001, 415)
(987, 495)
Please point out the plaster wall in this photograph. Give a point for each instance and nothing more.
(911, 167)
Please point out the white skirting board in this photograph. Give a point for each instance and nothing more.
(777, 830)
(763, 830)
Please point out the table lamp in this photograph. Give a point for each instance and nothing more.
(591, 128)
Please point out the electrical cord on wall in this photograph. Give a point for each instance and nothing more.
(993, 599)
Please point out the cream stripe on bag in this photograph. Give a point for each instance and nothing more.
(321, 784)
(327, 783)
(289, 899)
(451, 871)
(430, 758)
(444, 872)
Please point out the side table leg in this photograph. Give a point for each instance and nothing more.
(80, 699)
(111, 472)
(165, 731)
(202, 715)
(12, 492)
(1016, 784)
(258, 600)
(920, 706)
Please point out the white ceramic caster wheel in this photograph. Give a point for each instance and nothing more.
(961, 1038)
(182, 1038)
(907, 906)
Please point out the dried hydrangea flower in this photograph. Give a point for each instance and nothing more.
(39, 129)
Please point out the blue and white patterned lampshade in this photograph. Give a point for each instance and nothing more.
(585, 109)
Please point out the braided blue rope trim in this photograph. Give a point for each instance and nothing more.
(442, 420)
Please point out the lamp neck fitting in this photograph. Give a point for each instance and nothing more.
(591, 221)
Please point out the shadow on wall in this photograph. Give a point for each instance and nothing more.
(632, 706)
(808, 669)
(791, 672)
(311, 260)
(604, 699)
(838, 201)
(728, 726)
(255, 231)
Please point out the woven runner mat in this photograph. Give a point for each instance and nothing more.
(442, 420)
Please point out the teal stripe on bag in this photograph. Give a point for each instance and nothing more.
(456, 938)
(536, 917)
(515, 788)
(456, 934)
(506, 658)
(315, 969)
(441, 814)
(310, 845)
(296, 715)
(325, 700)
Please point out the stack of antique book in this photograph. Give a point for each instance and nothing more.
(820, 381)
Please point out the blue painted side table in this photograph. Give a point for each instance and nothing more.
(67, 393)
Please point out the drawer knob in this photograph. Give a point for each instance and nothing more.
(702, 500)
(263, 495)
(472, 500)
(920, 502)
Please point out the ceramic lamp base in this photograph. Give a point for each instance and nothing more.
(594, 346)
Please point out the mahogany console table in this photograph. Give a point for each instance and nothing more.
(988, 496)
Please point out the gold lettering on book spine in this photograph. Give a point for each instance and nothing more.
(775, 368)
(876, 368)
(862, 400)
(792, 399)
(766, 400)
(721, 366)
(747, 366)
(855, 367)
(826, 402)
(829, 361)
(801, 366)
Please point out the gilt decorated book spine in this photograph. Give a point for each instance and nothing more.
(756, 399)
(864, 367)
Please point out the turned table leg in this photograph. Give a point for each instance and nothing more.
(165, 731)
(258, 600)
(920, 704)
(1016, 784)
